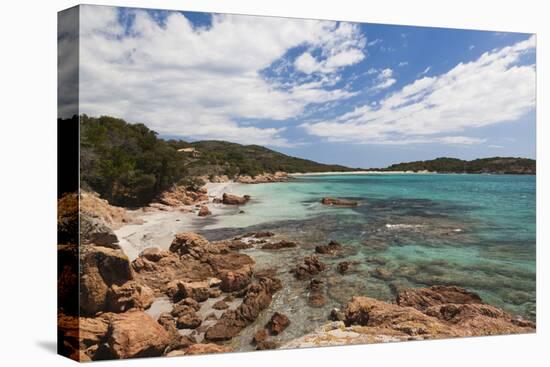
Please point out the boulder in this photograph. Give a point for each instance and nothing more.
(332, 248)
(154, 254)
(128, 296)
(423, 298)
(199, 291)
(95, 231)
(100, 268)
(309, 267)
(278, 323)
(234, 281)
(338, 202)
(189, 243)
(204, 211)
(135, 334)
(231, 199)
(214, 292)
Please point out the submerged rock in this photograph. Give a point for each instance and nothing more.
(309, 267)
(279, 245)
(332, 248)
(338, 202)
(343, 267)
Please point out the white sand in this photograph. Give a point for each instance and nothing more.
(160, 227)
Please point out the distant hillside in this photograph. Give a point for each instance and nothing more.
(497, 165)
(128, 165)
(222, 157)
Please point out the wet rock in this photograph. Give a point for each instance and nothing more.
(135, 334)
(128, 296)
(309, 267)
(338, 202)
(266, 345)
(236, 244)
(278, 323)
(220, 305)
(260, 336)
(332, 248)
(422, 298)
(231, 199)
(263, 234)
(209, 348)
(315, 285)
(279, 245)
(343, 267)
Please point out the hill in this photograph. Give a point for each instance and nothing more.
(129, 165)
(496, 165)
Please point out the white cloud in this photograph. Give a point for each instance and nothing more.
(384, 79)
(403, 63)
(493, 89)
(203, 83)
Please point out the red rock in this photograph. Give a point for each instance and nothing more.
(260, 336)
(207, 349)
(199, 291)
(309, 267)
(231, 199)
(135, 334)
(422, 298)
(279, 245)
(204, 211)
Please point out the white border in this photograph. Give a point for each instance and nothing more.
(28, 187)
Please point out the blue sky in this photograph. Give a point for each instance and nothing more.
(363, 95)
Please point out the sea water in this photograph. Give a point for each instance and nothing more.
(408, 230)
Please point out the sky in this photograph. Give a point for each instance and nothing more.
(357, 94)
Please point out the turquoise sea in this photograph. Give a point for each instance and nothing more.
(409, 230)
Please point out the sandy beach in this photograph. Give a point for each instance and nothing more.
(159, 227)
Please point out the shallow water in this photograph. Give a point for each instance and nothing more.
(474, 231)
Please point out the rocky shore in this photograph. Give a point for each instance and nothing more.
(197, 296)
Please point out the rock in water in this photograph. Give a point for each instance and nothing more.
(279, 245)
(278, 323)
(231, 199)
(204, 211)
(260, 336)
(338, 202)
(135, 334)
(332, 248)
(309, 267)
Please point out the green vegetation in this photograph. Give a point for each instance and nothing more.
(128, 164)
(499, 165)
